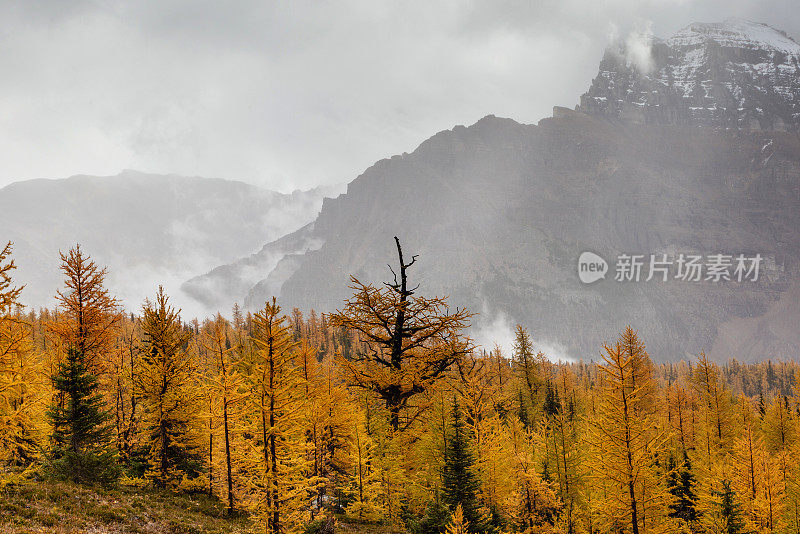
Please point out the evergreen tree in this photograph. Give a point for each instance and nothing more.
(81, 429)
(522, 410)
(730, 512)
(435, 518)
(551, 400)
(460, 482)
(681, 483)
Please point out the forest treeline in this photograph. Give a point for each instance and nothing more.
(385, 412)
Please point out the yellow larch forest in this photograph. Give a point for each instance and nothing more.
(386, 413)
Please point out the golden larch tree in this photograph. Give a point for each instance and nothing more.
(627, 440)
(88, 316)
(278, 488)
(21, 387)
(407, 342)
(227, 386)
(169, 395)
(534, 502)
(531, 377)
(780, 436)
(714, 437)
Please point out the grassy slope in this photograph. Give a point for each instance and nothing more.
(60, 507)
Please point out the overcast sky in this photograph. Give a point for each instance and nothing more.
(294, 94)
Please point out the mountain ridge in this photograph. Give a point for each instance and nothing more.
(545, 184)
(499, 211)
(145, 227)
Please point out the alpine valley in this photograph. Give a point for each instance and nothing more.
(147, 229)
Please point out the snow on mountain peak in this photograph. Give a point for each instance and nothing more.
(735, 33)
(731, 74)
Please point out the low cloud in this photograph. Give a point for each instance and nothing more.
(634, 46)
(497, 330)
(295, 94)
(638, 47)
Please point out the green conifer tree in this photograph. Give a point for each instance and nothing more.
(729, 510)
(435, 518)
(81, 431)
(681, 483)
(459, 479)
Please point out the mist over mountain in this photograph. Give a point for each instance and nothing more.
(146, 228)
(499, 212)
(735, 74)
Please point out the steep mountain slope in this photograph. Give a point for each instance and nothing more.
(500, 212)
(735, 74)
(225, 284)
(146, 228)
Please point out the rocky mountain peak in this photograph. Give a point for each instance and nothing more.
(731, 74)
(735, 33)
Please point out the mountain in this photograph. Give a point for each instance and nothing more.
(499, 212)
(225, 284)
(146, 228)
(734, 74)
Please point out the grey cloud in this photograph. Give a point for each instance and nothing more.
(295, 94)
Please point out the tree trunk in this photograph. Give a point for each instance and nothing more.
(164, 464)
(210, 459)
(228, 455)
(631, 490)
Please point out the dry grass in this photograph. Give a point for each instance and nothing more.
(69, 508)
(62, 508)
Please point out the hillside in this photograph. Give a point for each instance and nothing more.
(146, 228)
(63, 507)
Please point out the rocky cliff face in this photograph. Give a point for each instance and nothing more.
(734, 74)
(499, 212)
